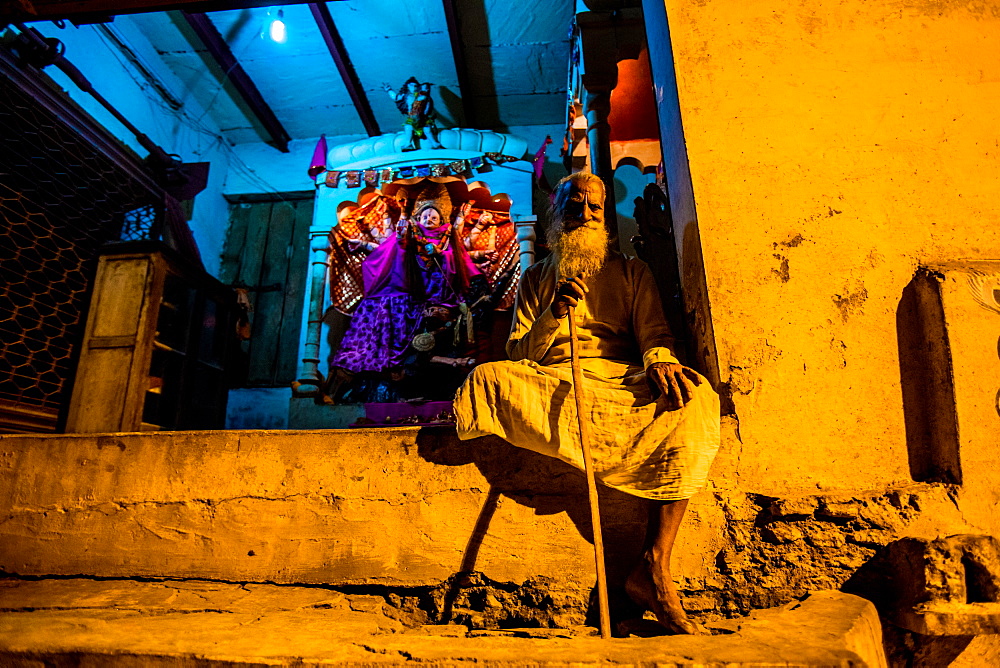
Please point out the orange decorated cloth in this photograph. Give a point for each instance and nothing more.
(364, 224)
(495, 231)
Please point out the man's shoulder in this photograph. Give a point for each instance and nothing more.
(535, 271)
(616, 263)
(631, 267)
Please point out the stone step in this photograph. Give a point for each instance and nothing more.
(119, 623)
(401, 508)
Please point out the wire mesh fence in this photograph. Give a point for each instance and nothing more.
(60, 201)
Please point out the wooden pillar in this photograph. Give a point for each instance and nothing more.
(310, 377)
(597, 107)
(525, 227)
(605, 38)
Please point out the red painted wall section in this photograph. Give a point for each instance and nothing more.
(633, 108)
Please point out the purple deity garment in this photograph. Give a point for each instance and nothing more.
(445, 266)
(383, 269)
(422, 266)
(426, 264)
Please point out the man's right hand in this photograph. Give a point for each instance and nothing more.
(568, 293)
(676, 381)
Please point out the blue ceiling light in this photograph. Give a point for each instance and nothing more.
(277, 28)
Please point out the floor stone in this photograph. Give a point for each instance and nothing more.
(118, 623)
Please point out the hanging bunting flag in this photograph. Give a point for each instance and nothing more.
(539, 161)
(318, 163)
(500, 158)
(374, 177)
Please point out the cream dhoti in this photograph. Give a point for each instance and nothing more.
(638, 446)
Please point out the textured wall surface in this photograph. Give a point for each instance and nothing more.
(844, 168)
(89, 49)
(834, 148)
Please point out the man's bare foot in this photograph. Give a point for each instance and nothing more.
(652, 587)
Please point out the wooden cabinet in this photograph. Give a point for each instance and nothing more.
(155, 349)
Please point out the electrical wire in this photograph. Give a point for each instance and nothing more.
(152, 93)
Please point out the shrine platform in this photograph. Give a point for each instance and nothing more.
(353, 547)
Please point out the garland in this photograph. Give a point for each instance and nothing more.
(428, 246)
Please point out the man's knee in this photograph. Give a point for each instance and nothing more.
(490, 374)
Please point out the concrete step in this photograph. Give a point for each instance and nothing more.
(128, 623)
(400, 508)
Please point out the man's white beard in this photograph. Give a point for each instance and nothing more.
(578, 252)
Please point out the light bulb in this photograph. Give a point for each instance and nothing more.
(277, 29)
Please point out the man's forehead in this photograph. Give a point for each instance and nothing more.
(591, 188)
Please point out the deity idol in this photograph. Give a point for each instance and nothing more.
(414, 101)
(423, 265)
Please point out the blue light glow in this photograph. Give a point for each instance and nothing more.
(277, 29)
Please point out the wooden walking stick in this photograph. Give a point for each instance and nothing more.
(588, 463)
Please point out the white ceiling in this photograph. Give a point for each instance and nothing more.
(516, 58)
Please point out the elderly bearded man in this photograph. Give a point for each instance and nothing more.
(656, 448)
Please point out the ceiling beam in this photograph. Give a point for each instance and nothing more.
(87, 11)
(244, 85)
(458, 54)
(327, 28)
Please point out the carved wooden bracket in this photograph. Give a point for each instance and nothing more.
(607, 37)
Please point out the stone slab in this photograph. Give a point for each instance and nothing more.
(85, 622)
(940, 618)
(949, 586)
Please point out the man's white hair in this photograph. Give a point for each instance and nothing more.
(579, 252)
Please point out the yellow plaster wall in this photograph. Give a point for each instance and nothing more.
(834, 147)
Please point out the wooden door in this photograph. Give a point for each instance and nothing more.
(267, 253)
(111, 378)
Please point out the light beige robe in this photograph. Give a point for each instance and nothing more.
(638, 446)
